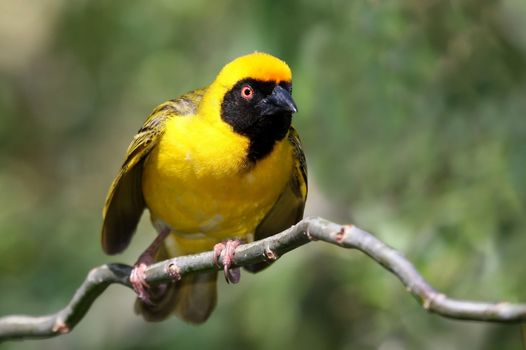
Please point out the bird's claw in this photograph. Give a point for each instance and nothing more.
(232, 275)
(138, 275)
(138, 282)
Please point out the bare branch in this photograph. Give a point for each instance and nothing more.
(96, 282)
(270, 249)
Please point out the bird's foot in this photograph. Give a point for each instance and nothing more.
(232, 275)
(138, 275)
(138, 282)
(138, 278)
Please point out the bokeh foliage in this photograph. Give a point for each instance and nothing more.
(412, 116)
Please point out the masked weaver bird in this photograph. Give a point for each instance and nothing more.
(214, 167)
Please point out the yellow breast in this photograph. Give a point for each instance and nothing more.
(196, 181)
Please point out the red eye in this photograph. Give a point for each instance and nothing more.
(247, 92)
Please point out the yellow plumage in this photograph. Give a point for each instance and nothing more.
(207, 174)
(218, 199)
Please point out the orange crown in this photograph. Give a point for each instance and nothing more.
(257, 65)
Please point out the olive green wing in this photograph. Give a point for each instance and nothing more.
(125, 201)
(288, 209)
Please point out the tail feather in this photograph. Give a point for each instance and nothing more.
(193, 299)
(197, 297)
(163, 300)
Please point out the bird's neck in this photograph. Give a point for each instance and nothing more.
(264, 135)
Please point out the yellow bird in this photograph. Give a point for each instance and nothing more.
(214, 167)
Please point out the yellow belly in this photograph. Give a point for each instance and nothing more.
(196, 181)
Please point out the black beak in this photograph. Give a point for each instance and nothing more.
(279, 101)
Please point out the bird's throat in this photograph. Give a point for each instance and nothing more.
(265, 134)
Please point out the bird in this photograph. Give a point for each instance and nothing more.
(216, 167)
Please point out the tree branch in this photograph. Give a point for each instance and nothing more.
(270, 249)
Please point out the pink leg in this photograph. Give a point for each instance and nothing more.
(231, 275)
(138, 276)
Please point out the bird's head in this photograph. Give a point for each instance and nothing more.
(254, 96)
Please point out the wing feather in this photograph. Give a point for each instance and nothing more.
(125, 201)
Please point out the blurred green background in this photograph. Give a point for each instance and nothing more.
(412, 115)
